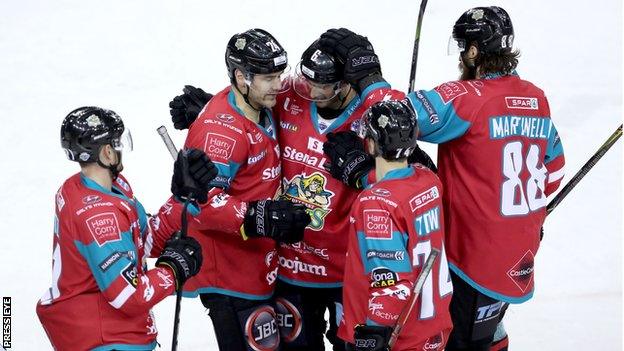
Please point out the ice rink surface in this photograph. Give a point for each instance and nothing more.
(134, 56)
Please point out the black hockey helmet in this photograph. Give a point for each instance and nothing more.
(319, 75)
(320, 66)
(392, 126)
(86, 129)
(490, 27)
(254, 52)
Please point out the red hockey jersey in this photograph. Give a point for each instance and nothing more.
(395, 224)
(500, 156)
(247, 157)
(318, 260)
(101, 291)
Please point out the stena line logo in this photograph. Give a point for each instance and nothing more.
(523, 103)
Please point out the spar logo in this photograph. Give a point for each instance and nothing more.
(377, 224)
(522, 103)
(424, 198)
(104, 228)
(219, 147)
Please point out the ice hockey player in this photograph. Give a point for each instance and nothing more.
(310, 274)
(395, 224)
(102, 292)
(311, 271)
(238, 132)
(499, 158)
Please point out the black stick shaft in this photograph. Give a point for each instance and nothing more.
(584, 170)
(176, 317)
(421, 14)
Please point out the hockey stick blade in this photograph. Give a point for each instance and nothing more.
(407, 310)
(162, 131)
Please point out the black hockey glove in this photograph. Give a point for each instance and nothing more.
(348, 160)
(419, 156)
(280, 220)
(362, 66)
(185, 108)
(192, 173)
(372, 338)
(183, 255)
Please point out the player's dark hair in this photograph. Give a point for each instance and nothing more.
(504, 62)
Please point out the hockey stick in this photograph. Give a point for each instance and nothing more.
(584, 170)
(162, 131)
(421, 14)
(407, 310)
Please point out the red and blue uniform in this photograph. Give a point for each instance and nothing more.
(247, 157)
(394, 226)
(102, 292)
(318, 260)
(499, 157)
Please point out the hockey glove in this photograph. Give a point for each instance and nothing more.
(372, 338)
(192, 173)
(185, 108)
(183, 256)
(419, 156)
(362, 66)
(280, 220)
(348, 160)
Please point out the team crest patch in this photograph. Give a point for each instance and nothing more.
(310, 191)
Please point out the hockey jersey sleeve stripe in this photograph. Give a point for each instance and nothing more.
(437, 122)
(389, 253)
(106, 262)
(556, 175)
(374, 87)
(142, 216)
(123, 296)
(554, 147)
(225, 175)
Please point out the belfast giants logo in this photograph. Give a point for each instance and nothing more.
(261, 329)
(310, 191)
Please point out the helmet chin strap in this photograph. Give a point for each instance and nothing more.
(246, 95)
(344, 98)
(113, 168)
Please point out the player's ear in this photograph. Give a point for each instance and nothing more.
(240, 78)
(472, 52)
(107, 154)
(371, 146)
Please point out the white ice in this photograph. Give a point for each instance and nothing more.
(134, 56)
